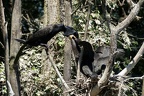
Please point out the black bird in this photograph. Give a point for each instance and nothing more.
(93, 62)
(42, 36)
(87, 58)
(86, 66)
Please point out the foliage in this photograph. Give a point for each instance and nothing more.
(35, 82)
(2, 79)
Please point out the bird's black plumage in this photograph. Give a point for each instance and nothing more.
(87, 58)
(94, 62)
(44, 35)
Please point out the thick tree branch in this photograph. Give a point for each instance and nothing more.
(130, 17)
(135, 60)
(113, 44)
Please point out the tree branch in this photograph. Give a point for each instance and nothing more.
(11, 92)
(87, 23)
(135, 60)
(3, 47)
(129, 18)
(113, 44)
(57, 71)
(122, 81)
(5, 39)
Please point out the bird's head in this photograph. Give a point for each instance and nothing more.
(70, 31)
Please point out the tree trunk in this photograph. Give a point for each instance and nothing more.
(53, 11)
(3, 25)
(14, 47)
(45, 67)
(67, 48)
(51, 16)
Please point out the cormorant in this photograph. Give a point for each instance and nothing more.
(42, 36)
(87, 58)
(93, 62)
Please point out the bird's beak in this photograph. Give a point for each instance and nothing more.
(72, 37)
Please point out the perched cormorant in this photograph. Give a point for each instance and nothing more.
(93, 62)
(87, 59)
(44, 35)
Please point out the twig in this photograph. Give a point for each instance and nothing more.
(135, 37)
(57, 71)
(69, 91)
(125, 80)
(11, 92)
(87, 23)
(120, 89)
(106, 15)
(76, 9)
(132, 78)
(2, 45)
(28, 20)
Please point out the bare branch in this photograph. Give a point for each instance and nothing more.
(11, 92)
(113, 44)
(132, 64)
(131, 3)
(132, 78)
(76, 9)
(57, 71)
(2, 45)
(121, 85)
(87, 23)
(129, 18)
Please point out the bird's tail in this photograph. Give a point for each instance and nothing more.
(21, 41)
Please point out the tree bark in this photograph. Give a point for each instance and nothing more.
(14, 47)
(67, 48)
(132, 64)
(3, 25)
(53, 11)
(143, 87)
(45, 67)
(51, 16)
